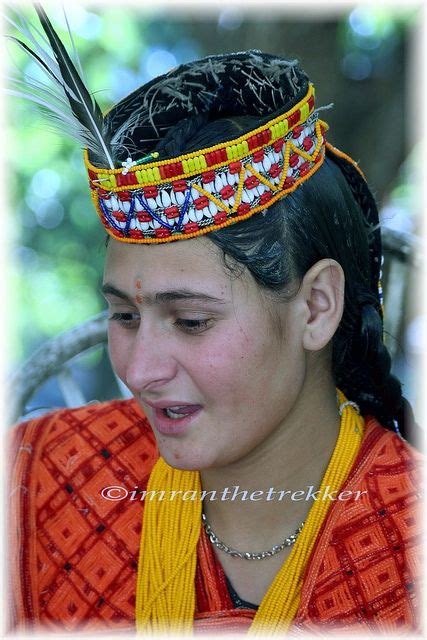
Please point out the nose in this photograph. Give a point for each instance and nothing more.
(150, 364)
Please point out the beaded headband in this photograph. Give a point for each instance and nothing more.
(176, 196)
(199, 192)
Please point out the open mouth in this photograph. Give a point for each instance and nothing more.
(175, 413)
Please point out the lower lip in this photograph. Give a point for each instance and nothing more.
(170, 427)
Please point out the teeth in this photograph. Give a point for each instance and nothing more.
(171, 414)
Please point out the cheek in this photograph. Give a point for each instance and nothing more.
(253, 371)
(232, 364)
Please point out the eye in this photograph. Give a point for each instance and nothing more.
(193, 325)
(127, 320)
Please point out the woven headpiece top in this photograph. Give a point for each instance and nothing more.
(245, 83)
(148, 196)
(171, 198)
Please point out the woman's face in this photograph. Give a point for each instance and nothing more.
(200, 350)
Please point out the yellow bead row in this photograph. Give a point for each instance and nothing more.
(195, 161)
(165, 590)
(194, 165)
(237, 151)
(280, 604)
(200, 232)
(278, 130)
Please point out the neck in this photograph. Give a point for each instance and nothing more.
(293, 459)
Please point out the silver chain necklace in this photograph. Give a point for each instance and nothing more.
(248, 555)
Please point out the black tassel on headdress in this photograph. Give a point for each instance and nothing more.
(65, 98)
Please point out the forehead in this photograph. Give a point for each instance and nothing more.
(193, 263)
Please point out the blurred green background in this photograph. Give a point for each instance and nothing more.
(360, 58)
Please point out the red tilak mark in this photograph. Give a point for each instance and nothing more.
(138, 298)
(138, 284)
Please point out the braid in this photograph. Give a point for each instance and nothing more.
(361, 363)
(365, 374)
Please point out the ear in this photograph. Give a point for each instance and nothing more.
(322, 289)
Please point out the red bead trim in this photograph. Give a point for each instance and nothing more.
(201, 203)
(179, 186)
(275, 170)
(259, 155)
(294, 118)
(208, 176)
(289, 182)
(143, 217)
(266, 196)
(220, 217)
(172, 212)
(162, 233)
(253, 142)
(151, 192)
(304, 168)
(119, 215)
(124, 196)
(190, 227)
(235, 167)
(126, 179)
(293, 160)
(307, 143)
(278, 145)
(243, 208)
(216, 157)
(136, 233)
(297, 132)
(251, 182)
(227, 192)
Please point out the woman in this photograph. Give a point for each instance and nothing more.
(242, 278)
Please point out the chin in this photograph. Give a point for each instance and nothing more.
(185, 460)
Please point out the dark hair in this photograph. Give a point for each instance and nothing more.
(321, 219)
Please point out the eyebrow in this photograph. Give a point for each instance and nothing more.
(162, 297)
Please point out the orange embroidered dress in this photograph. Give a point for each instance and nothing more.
(75, 528)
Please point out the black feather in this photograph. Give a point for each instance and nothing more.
(83, 105)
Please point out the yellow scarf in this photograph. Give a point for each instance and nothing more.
(165, 590)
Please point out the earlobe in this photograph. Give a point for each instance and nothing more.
(323, 289)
